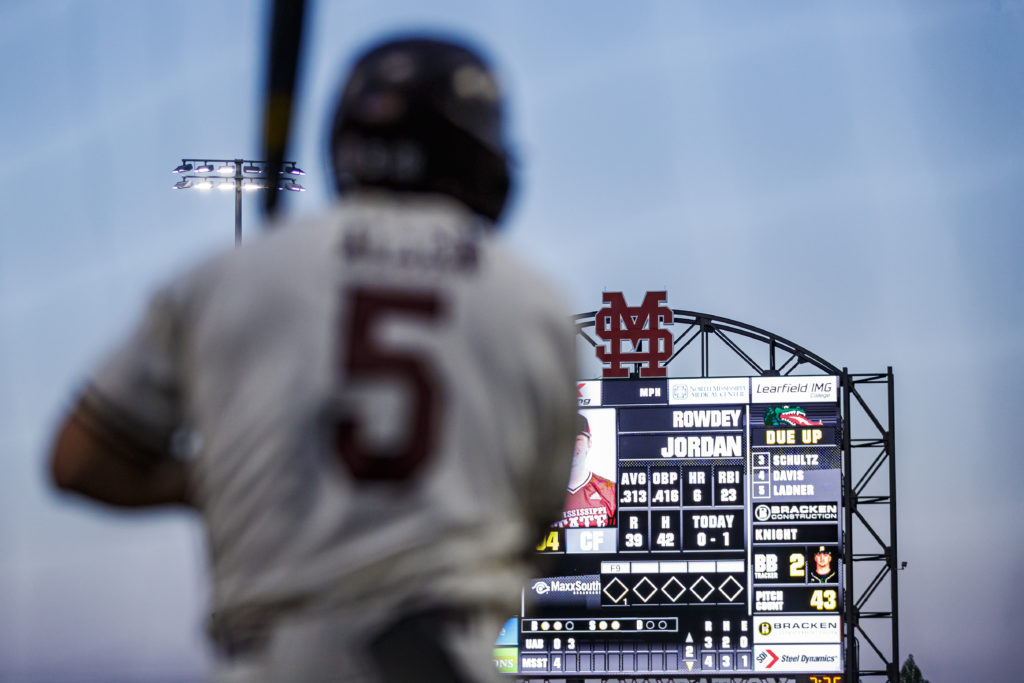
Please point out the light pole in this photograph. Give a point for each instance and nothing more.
(237, 174)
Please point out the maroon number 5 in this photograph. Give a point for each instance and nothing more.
(366, 360)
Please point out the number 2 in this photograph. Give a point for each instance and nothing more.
(367, 360)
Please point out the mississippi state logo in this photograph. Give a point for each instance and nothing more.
(625, 327)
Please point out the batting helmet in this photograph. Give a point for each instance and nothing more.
(423, 115)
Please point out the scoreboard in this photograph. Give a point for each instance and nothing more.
(701, 536)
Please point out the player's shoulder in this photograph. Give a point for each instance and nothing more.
(499, 275)
(600, 482)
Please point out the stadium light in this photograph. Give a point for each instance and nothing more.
(231, 171)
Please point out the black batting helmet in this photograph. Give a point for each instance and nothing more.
(422, 114)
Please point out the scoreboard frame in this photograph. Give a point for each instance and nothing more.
(867, 446)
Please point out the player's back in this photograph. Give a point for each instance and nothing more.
(384, 400)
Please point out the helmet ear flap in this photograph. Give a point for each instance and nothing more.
(475, 176)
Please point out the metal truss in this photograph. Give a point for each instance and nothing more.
(712, 346)
(869, 491)
(763, 352)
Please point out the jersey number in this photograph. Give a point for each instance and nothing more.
(366, 360)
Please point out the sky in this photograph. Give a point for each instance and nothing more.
(849, 176)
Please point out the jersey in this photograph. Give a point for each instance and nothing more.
(353, 383)
(592, 504)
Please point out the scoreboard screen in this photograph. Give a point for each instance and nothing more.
(701, 535)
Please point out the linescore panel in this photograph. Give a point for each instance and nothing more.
(702, 535)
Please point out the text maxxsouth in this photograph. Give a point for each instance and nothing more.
(617, 323)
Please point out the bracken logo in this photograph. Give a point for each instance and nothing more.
(617, 323)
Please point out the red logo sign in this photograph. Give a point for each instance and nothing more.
(625, 327)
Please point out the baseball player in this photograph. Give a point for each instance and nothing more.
(368, 409)
(590, 501)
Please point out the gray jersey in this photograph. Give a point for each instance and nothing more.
(383, 402)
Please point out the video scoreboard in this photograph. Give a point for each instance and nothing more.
(701, 536)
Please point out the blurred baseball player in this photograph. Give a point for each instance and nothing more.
(590, 501)
(378, 400)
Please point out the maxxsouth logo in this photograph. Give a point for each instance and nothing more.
(628, 327)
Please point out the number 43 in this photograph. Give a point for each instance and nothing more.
(823, 599)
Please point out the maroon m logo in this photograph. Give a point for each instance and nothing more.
(625, 328)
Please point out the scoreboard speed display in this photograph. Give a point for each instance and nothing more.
(701, 536)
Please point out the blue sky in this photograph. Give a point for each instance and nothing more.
(847, 175)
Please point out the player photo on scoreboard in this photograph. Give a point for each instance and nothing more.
(590, 499)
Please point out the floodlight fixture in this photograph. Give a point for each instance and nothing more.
(232, 178)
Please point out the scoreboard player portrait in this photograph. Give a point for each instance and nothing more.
(590, 496)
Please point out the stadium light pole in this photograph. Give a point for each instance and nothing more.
(237, 175)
